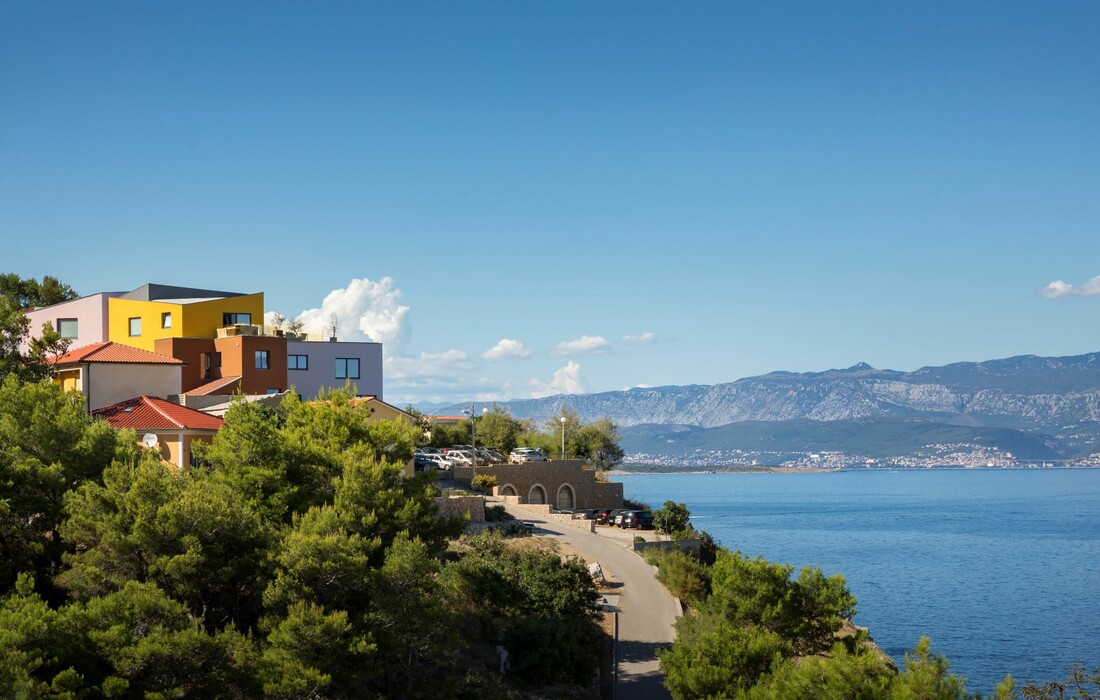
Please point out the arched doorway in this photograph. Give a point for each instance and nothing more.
(508, 490)
(566, 498)
(537, 494)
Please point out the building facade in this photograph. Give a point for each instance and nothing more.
(315, 365)
(81, 321)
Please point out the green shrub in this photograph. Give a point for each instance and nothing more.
(683, 576)
(553, 650)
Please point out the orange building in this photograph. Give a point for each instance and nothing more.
(167, 427)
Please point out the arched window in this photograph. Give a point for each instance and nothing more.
(508, 490)
(537, 494)
(567, 500)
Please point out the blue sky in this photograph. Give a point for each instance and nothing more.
(639, 193)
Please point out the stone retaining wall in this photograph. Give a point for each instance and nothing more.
(453, 506)
(561, 483)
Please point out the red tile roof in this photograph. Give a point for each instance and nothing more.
(151, 413)
(114, 352)
(215, 387)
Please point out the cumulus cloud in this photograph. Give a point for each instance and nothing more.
(507, 349)
(1058, 288)
(566, 380)
(436, 365)
(364, 310)
(643, 339)
(584, 345)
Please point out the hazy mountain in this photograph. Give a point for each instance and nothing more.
(1055, 397)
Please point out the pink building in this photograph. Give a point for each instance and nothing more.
(82, 321)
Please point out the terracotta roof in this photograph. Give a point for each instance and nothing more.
(214, 387)
(151, 413)
(116, 353)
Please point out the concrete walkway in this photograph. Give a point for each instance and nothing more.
(647, 612)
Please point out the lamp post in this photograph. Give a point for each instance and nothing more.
(563, 437)
(473, 433)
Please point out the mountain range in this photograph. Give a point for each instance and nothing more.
(1035, 407)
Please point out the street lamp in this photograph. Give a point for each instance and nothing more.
(563, 437)
(473, 431)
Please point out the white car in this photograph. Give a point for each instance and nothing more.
(460, 458)
(440, 462)
(526, 454)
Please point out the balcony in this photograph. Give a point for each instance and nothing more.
(238, 329)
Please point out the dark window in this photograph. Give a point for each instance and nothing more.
(67, 327)
(135, 327)
(234, 319)
(347, 367)
(297, 361)
(263, 359)
(166, 320)
(218, 360)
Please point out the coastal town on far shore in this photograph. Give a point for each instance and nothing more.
(954, 455)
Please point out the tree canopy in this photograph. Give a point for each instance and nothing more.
(298, 561)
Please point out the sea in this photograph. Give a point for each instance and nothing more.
(999, 568)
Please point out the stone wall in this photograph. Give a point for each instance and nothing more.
(562, 483)
(452, 506)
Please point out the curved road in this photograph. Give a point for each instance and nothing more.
(647, 612)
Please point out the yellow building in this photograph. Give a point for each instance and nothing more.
(154, 311)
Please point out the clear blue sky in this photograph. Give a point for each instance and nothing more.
(756, 186)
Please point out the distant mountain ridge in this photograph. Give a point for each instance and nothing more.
(1055, 396)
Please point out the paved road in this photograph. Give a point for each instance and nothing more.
(647, 612)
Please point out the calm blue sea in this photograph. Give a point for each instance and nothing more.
(999, 568)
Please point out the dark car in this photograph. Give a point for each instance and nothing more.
(606, 517)
(640, 519)
(422, 461)
(589, 514)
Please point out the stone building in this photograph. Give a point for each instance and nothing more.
(562, 483)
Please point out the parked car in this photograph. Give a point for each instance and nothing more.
(618, 518)
(487, 456)
(589, 514)
(422, 461)
(461, 458)
(606, 516)
(526, 454)
(440, 462)
(640, 519)
(498, 458)
(429, 450)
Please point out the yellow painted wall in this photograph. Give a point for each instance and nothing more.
(203, 319)
(197, 320)
(68, 379)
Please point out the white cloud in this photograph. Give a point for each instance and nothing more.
(638, 386)
(643, 339)
(1058, 288)
(566, 380)
(584, 345)
(507, 349)
(364, 310)
(437, 365)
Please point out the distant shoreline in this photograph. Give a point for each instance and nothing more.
(734, 469)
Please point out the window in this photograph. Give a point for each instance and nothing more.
(234, 319)
(347, 367)
(135, 327)
(297, 361)
(218, 360)
(166, 320)
(263, 359)
(67, 327)
(274, 391)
